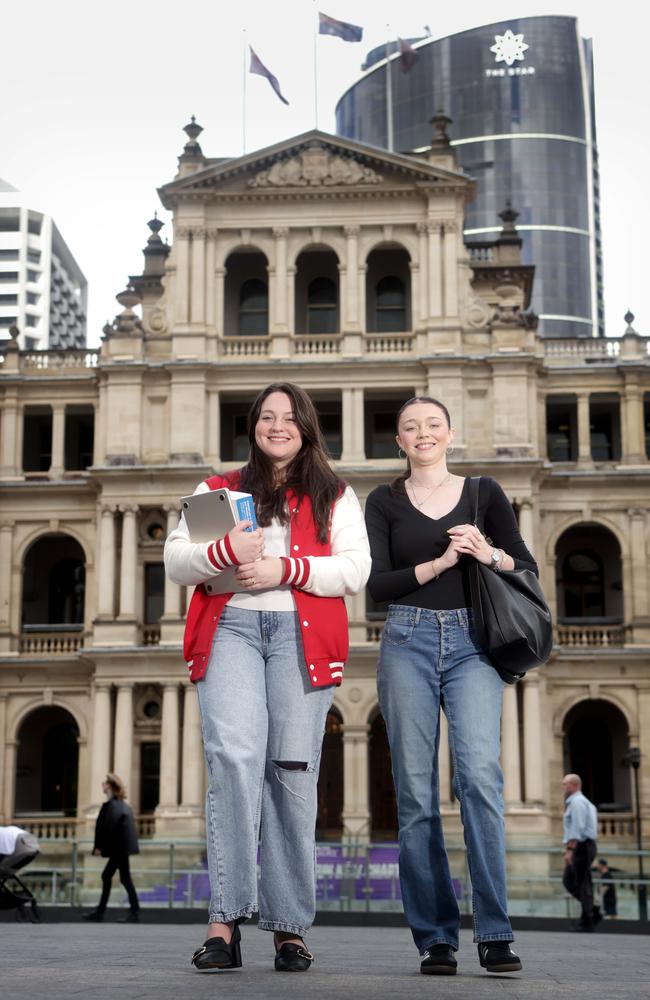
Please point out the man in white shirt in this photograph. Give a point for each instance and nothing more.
(580, 831)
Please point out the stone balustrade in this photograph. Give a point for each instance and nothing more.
(53, 642)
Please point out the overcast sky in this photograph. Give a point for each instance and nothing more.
(93, 99)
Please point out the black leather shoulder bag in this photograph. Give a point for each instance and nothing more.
(511, 617)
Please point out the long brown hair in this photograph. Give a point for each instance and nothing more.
(309, 474)
(398, 485)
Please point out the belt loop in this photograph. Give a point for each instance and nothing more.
(418, 612)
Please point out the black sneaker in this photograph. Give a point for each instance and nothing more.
(498, 956)
(438, 960)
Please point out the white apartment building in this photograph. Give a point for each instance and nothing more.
(43, 291)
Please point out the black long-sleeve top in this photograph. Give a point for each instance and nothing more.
(402, 537)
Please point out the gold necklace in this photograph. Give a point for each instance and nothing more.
(420, 504)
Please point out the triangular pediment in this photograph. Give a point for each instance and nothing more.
(314, 161)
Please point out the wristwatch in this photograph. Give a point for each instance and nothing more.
(495, 559)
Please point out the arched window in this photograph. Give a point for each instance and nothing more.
(383, 807)
(596, 739)
(321, 306)
(584, 591)
(330, 781)
(390, 305)
(47, 763)
(253, 308)
(54, 583)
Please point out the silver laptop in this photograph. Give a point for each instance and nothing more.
(208, 516)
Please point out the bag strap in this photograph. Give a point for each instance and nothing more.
(474, 484)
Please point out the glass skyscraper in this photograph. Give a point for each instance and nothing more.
(521, 97)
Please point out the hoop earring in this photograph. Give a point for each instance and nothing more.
(399, 453)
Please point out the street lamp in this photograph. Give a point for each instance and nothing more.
(633, 759)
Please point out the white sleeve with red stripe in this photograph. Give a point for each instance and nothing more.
(190, 563)
(347, 569)
(296, 572)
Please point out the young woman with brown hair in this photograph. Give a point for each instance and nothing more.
(266, 661)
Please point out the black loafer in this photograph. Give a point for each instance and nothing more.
(129, 918)
(95, 916)
(219, 954)
(438, 960)
(498, 956)
(291, 957)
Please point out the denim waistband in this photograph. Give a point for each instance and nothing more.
(407, 613)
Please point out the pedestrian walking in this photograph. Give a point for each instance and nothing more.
(266, 661)
(116, 839)
(423, 541)
(580, 831)
(608, 889)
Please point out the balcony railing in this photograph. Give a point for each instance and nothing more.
(49, 827)
(590, 636)
(150, 635)
(616, 824)
(56, 361)
(51, 640)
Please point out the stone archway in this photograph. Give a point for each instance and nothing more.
(47, 763)
(383, 805)
(329, 822)
(596, 737)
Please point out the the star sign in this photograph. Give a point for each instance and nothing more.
(508, 48)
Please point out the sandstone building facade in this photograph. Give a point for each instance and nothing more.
(343, 268)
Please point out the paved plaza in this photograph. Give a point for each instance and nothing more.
(55, 961)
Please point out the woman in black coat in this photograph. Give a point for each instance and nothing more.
(116, 838)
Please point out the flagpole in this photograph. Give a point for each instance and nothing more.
(315, 69)
(243, 117)
(389, 95)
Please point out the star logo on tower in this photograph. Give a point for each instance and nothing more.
(508, 48)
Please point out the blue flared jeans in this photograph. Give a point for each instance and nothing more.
(428, 660)
(263, 726)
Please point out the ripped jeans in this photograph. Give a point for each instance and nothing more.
(263, 727)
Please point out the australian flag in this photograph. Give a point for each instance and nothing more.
(258, 67)
(340, 29)
(408, 56)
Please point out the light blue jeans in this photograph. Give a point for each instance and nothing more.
(263, 726)
(429, 659)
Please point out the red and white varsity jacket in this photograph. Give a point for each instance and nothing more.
(319, 574)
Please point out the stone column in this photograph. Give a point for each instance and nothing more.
(278, 290)
(182, 262)
(353, 449)
(434, 231)
(6, 539)
(639, 558)
(169, 748)
(350, 318)
(58, 438)
(356, 791)
(197, 293)
(510, 746)
(9, 791)
(451, 268)
(533, 763)
(10, 460)
(220, 301)
(421, 307)
(192, 772)
(101, 751)
(444, 762)
(633, 421)
(123, 754)
(210, 254)
(584, 432)
(414, 298)
(129, 562)
(526, 523)
(172, 590)
(106, 576)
